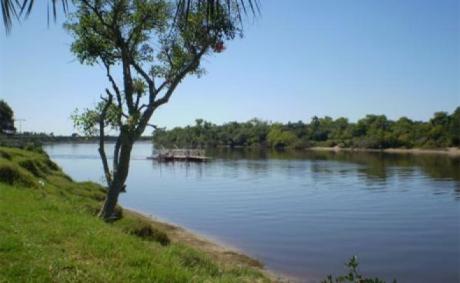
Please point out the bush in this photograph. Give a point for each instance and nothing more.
(4, 154)
(353, 276)
(14, 175)
(149, 233)
(142, 228)
(35, 167)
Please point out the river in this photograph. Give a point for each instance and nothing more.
(304, 214)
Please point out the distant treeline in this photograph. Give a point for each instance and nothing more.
(373, 131)
(27, 139)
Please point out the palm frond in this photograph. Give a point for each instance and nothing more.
(15, 9)
(9, 12)
(213, 6)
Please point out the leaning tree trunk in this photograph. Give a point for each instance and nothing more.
(118, 182)
(108, 209)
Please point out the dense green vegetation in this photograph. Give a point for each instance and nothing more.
(6, 118)
(31, 138)
(373, 131)
(49, 232)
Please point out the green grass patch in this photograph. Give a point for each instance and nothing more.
(49, 233)
(142, 229)
(13, 174)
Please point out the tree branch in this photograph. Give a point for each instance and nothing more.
(150, 82)
(114, 84)
(127, 80)
(155, 104)
(143, 73)
(136, 30)
(179, 78)
(102, 117)
(98, 14)
(120, 108)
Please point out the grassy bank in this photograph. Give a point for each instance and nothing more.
(49, 232)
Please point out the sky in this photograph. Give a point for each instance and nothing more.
(298, 59)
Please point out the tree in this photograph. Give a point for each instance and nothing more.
(277, 137)
(152, 52)
(341, 132)
(454, 128)
(6, 118)
(439, 128)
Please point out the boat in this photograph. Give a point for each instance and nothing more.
(187, 155)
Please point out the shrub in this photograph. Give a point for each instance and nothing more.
(34, 167)
(4, 154)
(353, 275)
(149, 233)
(14, 175)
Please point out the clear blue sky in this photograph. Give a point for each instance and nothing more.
(299, 59)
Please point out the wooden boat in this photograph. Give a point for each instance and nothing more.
(187, 155)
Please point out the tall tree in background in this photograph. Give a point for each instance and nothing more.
(6, 118)
(146, 52)
(455, 127)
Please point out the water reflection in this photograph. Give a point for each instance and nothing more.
(374, 167)
(436, 166)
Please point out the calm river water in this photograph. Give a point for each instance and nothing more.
(305, 213)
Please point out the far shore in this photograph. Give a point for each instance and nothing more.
(451, 151)
(215, 249)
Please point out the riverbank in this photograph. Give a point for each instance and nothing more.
(217, 250)
(451, 151)
(50, 232)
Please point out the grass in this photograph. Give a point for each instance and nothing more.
(49, 232)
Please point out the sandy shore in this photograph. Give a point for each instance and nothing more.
(451, 151)
(218, 251)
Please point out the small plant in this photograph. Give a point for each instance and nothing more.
(353, 275)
